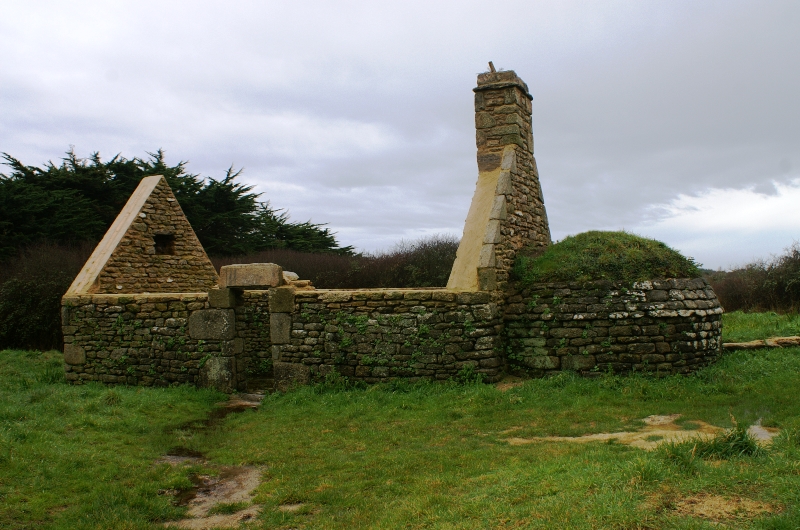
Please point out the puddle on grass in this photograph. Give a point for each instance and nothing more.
(657, 430)
(232, 485)
(763, 434)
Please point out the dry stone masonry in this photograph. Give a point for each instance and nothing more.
(669, 327)
(149, 309)
(377, 335)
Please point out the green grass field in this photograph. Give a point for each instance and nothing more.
(742, 327)
(402, 456)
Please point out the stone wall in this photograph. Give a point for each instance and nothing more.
(164, 339)
(140, 339)
(669, 327)
(376, 335)
(223, 329)
(220, 339)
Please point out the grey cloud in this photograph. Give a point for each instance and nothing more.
(634, 103)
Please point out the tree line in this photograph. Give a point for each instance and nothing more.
(76, 201)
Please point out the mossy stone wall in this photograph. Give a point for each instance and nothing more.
(668, 327)
(222, 342)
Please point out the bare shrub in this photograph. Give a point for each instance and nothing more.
(425, 262)
(31, 287)
(32, 284)
(765, 285)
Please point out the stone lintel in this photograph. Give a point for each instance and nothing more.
(251, 276)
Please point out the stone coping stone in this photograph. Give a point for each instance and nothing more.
(137, 297)
(329, 296)
(377, 290)
(439, 295)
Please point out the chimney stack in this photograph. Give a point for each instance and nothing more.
(507, 212)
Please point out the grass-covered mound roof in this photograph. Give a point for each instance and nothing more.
(614, 256)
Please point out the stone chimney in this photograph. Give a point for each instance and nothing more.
(507, 212)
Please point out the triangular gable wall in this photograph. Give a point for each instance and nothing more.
(150, 248)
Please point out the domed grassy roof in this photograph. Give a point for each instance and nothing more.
(614, 256)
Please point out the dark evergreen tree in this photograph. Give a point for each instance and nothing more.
(78, 200)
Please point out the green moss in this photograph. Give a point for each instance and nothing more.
(614, 256)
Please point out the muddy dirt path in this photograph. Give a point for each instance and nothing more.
(222, 498)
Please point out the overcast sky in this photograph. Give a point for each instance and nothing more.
(674, 120)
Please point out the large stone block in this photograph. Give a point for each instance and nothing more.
(66, 314)
(493, 234)
(488, 161)
(487, 257)
(470, 298)
(657, 296)
(212, 324)
(499, 209)
(218, 373)
(504, 186)
(487, 278)
(544, 362)
(288, 375)
(281, 300)
(578, 362)
(510, 156)
(280, 328)
(251, 276)
(74, 354)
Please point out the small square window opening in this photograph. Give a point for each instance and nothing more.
(165, 244)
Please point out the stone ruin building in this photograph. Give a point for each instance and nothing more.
(149, 308)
